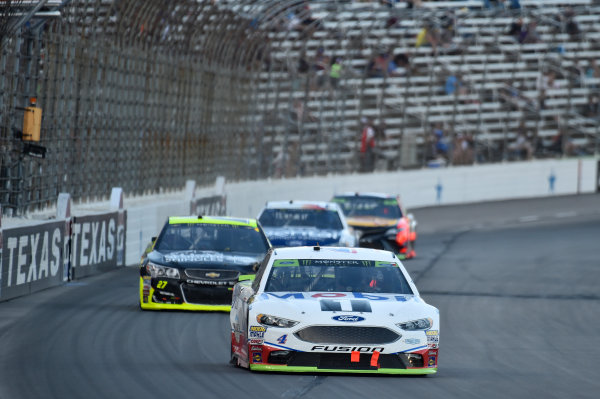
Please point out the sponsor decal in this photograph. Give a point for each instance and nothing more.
(216, 283)
(342, 249)
(256, 342)
(184, 257)
(256, 348)
(412, 341)
(433, 341)
(212, 274)
(257, 357)
(257, 332)
(349, 295)
(348, 318)
(432, 361)
(282, 339)
(331, 305)
(363, 349)
(431, 332)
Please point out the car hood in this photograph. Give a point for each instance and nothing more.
(370, 221)
(343, 308)
(205, 259)
(301, 236)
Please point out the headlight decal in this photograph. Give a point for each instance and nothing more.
(162, 271)
(414, 325)
(274, 321)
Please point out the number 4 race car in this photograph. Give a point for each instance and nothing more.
(195, 262)
(327, 309)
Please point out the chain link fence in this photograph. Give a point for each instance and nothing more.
(146, 94)
(138, 94)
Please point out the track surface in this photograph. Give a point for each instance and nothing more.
(516, 284)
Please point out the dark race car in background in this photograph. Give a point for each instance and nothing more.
(298, 223)
(380, 221)
(195, 262)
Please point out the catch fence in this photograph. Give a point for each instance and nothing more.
(147, 94)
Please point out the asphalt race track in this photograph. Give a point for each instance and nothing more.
(517, 285)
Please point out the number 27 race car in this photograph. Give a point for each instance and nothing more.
(327, 309)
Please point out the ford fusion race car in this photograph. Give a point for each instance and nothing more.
(298, 223)
(380, 221)
(195, 262)
(317, 309)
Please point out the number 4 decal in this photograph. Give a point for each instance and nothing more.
(282, 339)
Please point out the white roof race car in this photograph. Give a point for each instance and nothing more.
(333, 309)
(298, 223)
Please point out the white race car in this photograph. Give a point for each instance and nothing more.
(333, 309)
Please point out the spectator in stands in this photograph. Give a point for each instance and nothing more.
(367, 146)
(401, 63)
(514, 5)
(429, 35)
(593, 105)
(454, 84)
(320, 66)
(300, 114)
(592, 71)
(462, 153)
(571, 26)
(335, 73)
(413, 3)
(530, 34)
(516, 29)
(448, 23)
(378, 66)
(499, 4)
(522, 147)
(441, 142)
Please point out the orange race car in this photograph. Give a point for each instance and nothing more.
(380, 222)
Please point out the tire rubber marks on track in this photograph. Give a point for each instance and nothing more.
(304, 387)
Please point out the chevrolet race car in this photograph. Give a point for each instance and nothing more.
(380, 222)
(349, 310)
(195, 262)
(298, 223)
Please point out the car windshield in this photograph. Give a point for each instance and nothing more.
(319, 218)
(211, 237)
(331, 275)
(353, 206)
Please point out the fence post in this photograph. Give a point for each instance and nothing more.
(63, 211)
(190, 195)
(116, 204)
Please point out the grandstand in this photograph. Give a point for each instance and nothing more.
(501, 78)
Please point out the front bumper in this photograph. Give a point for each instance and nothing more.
(172, 296)
(417, 363)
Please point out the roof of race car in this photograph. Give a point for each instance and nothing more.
(333, 253)
(292, 204)
(359, 194)
(212, 220)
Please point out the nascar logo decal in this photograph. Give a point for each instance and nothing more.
(348, 318)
